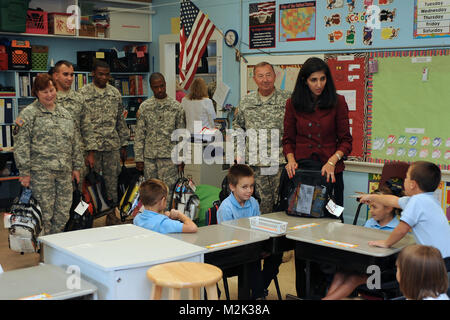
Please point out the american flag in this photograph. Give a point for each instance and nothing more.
(263, 8)
(195, 31)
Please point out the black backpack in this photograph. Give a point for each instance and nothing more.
(78, 221)
(307, 193)
(95, 185)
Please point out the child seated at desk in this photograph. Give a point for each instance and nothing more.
(383, 218)
(421, 273)
(153, 195)
(421, 211)
(241, 204)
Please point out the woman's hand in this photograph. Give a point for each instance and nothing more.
(25, 181)
(290, 168)
(328, 171)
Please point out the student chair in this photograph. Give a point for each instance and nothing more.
(179, 275)
(389, 286)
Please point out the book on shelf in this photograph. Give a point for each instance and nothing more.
(6, 110)
(5, 136)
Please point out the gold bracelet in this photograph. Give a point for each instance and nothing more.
(338, 156)
(329, 162)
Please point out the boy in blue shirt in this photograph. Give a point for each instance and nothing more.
(240, 204)
(153, 195)
(421, 211)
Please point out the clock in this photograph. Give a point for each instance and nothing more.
(231, 38)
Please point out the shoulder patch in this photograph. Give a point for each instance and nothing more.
(19, 121)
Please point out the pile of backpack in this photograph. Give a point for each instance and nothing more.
(184, 198)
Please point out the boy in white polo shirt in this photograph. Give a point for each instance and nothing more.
(421, 211)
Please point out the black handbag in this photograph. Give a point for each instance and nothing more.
(307, 193)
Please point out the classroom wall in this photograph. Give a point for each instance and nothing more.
(404, 20)
(233, 14)
(224, 15)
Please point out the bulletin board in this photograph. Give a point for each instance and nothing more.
(408, 107)
(350, 79)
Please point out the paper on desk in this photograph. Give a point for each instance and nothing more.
(223, 244)
(304, 226)
(338, 243)
(221, 93)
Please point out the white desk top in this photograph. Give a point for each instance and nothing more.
(352, 238)
(121, 247)
(34, 282)
(293, 222)
(220, 237)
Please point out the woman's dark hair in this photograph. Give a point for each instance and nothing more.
(302, 97)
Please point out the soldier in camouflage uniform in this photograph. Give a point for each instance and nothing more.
(47, 154)
(157, 118)
(73, 102)
(263, 109)
(109, 133)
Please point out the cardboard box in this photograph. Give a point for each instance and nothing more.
(57, 24)
(129, 24)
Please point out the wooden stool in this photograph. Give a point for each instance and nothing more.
(178, 275)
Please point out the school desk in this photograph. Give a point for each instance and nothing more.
(44, 282)
(278, 242)
(115, 259)
(229, 248)
(345, 246)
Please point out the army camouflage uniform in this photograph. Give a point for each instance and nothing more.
(108, 134)
(157, 119)
(253, 113)
(46, 148)
(73, 102)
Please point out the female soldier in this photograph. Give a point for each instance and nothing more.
(47, 154)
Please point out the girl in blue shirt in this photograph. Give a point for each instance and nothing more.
(383, 218)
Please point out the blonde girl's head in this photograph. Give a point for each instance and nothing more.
(198, 89)
(421, 272)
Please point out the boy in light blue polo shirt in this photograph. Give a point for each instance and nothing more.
(241, 204)
(421, 211)
(153, 195)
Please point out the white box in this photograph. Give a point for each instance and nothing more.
(269, 225)
(129, 24)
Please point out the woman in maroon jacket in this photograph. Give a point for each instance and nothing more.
(316, 125)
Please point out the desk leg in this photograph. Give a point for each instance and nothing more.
(308, 279)
(243, 283)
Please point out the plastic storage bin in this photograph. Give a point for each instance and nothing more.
(39, 57)
(57, 24)
(37, 22)
(266, 224)
(13, 15)
(129, 24)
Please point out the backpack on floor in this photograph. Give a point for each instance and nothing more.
(211, 213)
(94, 185)
(25, 223)
(126, 177)
(130, 199)
(184, 198)
(81, 212)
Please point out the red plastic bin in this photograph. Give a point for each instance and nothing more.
(37, 22)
